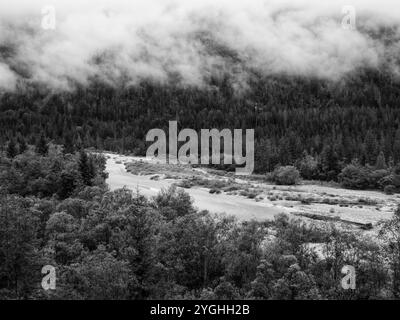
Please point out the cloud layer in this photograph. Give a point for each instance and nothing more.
(188, 41)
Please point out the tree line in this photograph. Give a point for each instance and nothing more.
(335, 123)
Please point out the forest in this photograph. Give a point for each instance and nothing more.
(321, 95)
(55, 209)
(327, 124)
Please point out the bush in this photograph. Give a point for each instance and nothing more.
(354, 176)
(251, 195)
(173, 202)
(376, 176)
(185, 184)
(288, 175)
(231, 188)
(391, 179)
(216, 191)
(306, 200)
(390, 189)
(308, 167)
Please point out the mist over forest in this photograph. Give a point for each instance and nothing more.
(110, 72)
(188, 43)
(320, 87)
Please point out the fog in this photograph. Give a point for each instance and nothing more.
(188, 41)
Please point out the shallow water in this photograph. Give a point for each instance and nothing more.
(242, 208)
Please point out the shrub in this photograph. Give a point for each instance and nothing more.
(251, 195)
(306, 200)
(231, 188)
(216, 191)
(354, 176)
(391, 179)
(308, 167)
(185, 184)
(173, 202)
(376, 176)
(288, 175)
(390, 189)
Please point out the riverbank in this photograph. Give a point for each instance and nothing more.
(306, 200)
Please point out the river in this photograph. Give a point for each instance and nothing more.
(241, 207)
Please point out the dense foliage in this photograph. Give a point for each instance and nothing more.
(120, 245)
(288, 175)
(318, 125)
(356, 176)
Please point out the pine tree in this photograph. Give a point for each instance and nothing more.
(41, 146)
(68, 143)
(396, 147)
(308, 166)
(370, 147)
(85, 168)
(330, 162)
(92, 168)
(380, 161)
(11, 149)
(78, 142)
(18, 246)
(22, 145)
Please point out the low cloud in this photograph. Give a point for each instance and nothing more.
(187, 42)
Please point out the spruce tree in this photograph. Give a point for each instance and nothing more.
(68, 143)
(22, 145)
(396, 147)
(370, 147)
(380, 161)
(11, 149)
(41, 146)
(329, 162)
(85, 168)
